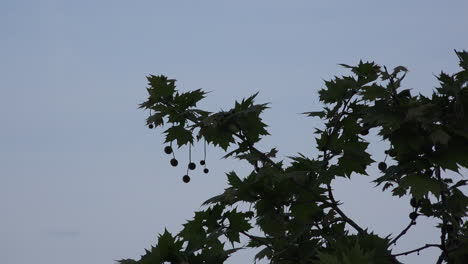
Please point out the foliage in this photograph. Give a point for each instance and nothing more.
(292, 206)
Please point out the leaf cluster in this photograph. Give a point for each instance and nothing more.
(293, 216)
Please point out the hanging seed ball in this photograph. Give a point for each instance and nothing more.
(382, 166)
(364, 132)
(414, 202)
(186, 178)
(191, 166)
(150, 126)
(413, 215)
(206, 170)
(392, 153)
(174, 162)
(168, 149)
(202, 162)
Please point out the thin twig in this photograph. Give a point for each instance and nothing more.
(335, 207)
(416, 250)
(412, 223)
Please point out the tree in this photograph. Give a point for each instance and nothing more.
(292, 205)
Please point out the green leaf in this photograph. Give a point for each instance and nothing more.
(420, 185)
(439, 136)
(189, 99)
(233, 179)
(463, 57)
(305, 212)
(238, 221)
(373, 92)
(337, 89)
(327, 258)
(320, 114)
(459, 183)
(160, 86)
(264, 253)
(179, 133)
(156, 119)
(165, 244)
(194, 232)
(354, 159)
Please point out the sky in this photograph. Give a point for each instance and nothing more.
(82, 180)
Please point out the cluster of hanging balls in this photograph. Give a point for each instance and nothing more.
(191, 166)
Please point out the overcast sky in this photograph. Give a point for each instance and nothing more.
(82, 180)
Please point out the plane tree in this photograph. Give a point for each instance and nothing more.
(292, 214)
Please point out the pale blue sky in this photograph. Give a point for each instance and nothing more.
(81, 178)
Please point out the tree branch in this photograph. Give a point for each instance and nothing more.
(412, 223)
(334, 205)
(416, 250)
(443, 234)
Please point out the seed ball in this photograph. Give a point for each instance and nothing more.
(414, 202)
(382, 166)
(206, 170)
(392, 153)
(364, 132)
(202, 162)
(413, 216)
(150, 126)
(191, 166)
(168, 150)
(186, 178)
(174, 162)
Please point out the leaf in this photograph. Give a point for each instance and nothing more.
(238, 221)
(179, 133)
(264, 253)
(398, 69)
(160, 86)
(156, 119)
(373, 92)
(194, 233)
(336, 89)
(463, 57)
(458, 184)
(320, 114)
(354, 159)
(439, 136)
(416, 113)
(166, 245)
(326, 258)
(305, 212)
(233, 179)
(189, 99)
(420, 185)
